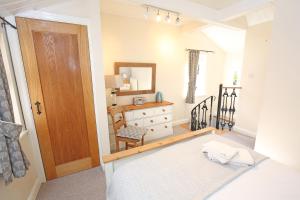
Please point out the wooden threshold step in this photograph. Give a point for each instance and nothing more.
(224, 118)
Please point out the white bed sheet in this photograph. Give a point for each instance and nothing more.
(268, 180)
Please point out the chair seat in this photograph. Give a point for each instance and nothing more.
(132, 132)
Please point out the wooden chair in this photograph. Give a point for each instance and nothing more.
(131, 135)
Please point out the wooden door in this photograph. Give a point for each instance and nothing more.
(57, 67)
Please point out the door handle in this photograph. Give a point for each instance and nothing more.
(38, 108)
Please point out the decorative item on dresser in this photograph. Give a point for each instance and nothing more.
(113, 82)
(139, 100)
(155, 117)
(159, 97)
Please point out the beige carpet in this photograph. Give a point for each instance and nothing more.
(90, 184)
(239, 138)
(86, 185)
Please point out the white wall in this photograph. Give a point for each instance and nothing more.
(25, 187)
(80, 12)
(137, 40)
(278, 129)
(233, 65)
(256, 54)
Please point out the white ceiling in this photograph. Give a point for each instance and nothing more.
(199, 10)
(194, 10)
(127, 8)
(8, 7)
(122, 8)
(191, 10)
(230, 40)
(216, 4)
(260, 16)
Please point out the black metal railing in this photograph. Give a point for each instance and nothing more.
(226, 107)
(201, 115)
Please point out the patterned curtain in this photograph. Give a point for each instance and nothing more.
(6, 109)
(13, 162)
(193, 71)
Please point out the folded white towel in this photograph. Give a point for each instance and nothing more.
(216, 158)
(242, 158)
(218, 151)
(225, 154)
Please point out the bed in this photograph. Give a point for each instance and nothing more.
(179, 171)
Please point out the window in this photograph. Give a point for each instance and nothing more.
(10, 78)
(201, 77)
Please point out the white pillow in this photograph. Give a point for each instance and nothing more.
(242, 158)
(218, 151)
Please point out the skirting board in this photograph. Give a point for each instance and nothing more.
(181, 121)
(35, 189)
(244, 131)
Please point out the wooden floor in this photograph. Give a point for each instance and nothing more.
(219, 132)
(232, 135)
(186, 126)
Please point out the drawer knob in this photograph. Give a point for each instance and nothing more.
(166, 118)
(151, 121)
(163, 110)
(152, 129)
(166, 126)
(136, 124)
(144, 113)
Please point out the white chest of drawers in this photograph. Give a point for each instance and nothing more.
(155, 117)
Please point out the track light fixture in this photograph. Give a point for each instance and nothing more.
(168, 17)
(146, 15)
(177, 20)
(158, 17)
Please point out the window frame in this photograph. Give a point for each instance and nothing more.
(10, 73)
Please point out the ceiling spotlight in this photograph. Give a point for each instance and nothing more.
(168, 18)
(177, 20)
(158, 17)
(167, 15)
(146, 15)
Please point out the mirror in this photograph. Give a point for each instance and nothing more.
(138, 78)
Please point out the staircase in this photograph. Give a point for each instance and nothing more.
(201, 115)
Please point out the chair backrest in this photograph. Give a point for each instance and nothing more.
(117, 124)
